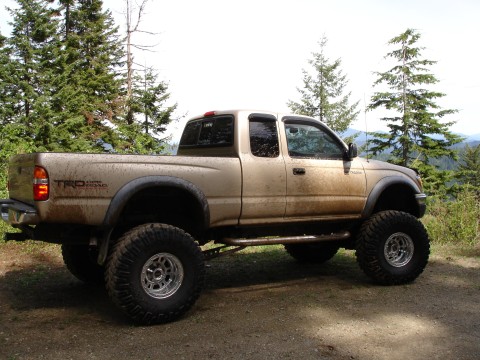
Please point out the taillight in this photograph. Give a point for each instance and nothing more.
(40, 184)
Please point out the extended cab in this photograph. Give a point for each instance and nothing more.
(240, 178)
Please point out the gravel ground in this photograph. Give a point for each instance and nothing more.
(256, 305)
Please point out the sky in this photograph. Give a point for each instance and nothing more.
(249, 54)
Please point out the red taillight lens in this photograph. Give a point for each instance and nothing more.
(41, 189)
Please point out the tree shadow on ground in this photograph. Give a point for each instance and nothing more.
(276, 266)
(43, 283)
(256, 305)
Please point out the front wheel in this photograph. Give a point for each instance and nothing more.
(392, 247)
(155, 273)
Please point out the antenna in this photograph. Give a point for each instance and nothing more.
(366, 129)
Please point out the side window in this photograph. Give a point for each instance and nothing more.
(264, 138)
(310, 141)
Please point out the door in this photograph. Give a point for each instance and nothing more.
(320, 182)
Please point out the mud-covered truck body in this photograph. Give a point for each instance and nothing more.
(240, 178)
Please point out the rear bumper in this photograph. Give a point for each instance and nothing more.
(18, 213)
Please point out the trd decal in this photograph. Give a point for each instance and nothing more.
(81, 184)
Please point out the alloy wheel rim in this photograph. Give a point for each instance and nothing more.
(162, 275)
(399, 249)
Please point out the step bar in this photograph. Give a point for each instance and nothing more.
(343, 235)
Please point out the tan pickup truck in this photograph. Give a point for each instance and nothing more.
(240, 178)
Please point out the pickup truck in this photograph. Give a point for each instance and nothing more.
(145, 225)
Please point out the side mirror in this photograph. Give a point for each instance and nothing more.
(352, 151)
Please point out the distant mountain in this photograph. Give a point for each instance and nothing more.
(358, 134)
(472, 140)
(473, 143)
(474, 137)
(443, 163)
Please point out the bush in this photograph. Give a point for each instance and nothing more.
(455, 221)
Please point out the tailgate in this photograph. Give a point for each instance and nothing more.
(20, 177)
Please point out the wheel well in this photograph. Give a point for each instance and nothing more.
(168, 205)
(399, 197)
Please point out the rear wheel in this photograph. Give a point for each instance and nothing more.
(392, 247)
(155, 273)
(317, 253)
(81, 261)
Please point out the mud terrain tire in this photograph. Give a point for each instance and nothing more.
(312, 253)
(155, 273)
(81, 261)
(392, 247)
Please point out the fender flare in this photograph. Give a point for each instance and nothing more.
(127, 191)
(381, 186)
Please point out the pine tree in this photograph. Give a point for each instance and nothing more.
(62, 83)
(322, 95)
(150, 97)
(27, 87)
(150, 114)
(133, 14)
(146, 113)
(65, 83)
(7, 103)
(469, 168)
(416, 132)
(88, 84)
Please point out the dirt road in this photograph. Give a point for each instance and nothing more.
(255, 306)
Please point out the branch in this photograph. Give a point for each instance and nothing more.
(147, 32)
(144, 47)
(141, 9)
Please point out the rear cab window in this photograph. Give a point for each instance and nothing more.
(209, 136)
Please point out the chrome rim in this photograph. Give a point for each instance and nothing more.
(399, 249)
(162, 275)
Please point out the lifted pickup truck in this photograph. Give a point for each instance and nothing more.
(240, 178)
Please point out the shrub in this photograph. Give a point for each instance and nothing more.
(454, 221)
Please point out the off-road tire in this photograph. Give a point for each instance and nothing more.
(81, 261)
(155, 273)
(392, 247)
(317, 253)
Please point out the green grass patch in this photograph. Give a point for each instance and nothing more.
(454, 222)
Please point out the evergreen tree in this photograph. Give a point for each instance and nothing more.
(469, 168)
(145, 113)
(133, 15)
(60, 79)
(62, 85)
(150, 97)
(150, 113)
(26, 92)
(88, 97)
(322, 95)
(416, 134)
(7, 103)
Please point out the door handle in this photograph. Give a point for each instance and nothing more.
(298, 171)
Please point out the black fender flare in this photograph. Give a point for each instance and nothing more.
(127, 191)
(381, 186)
